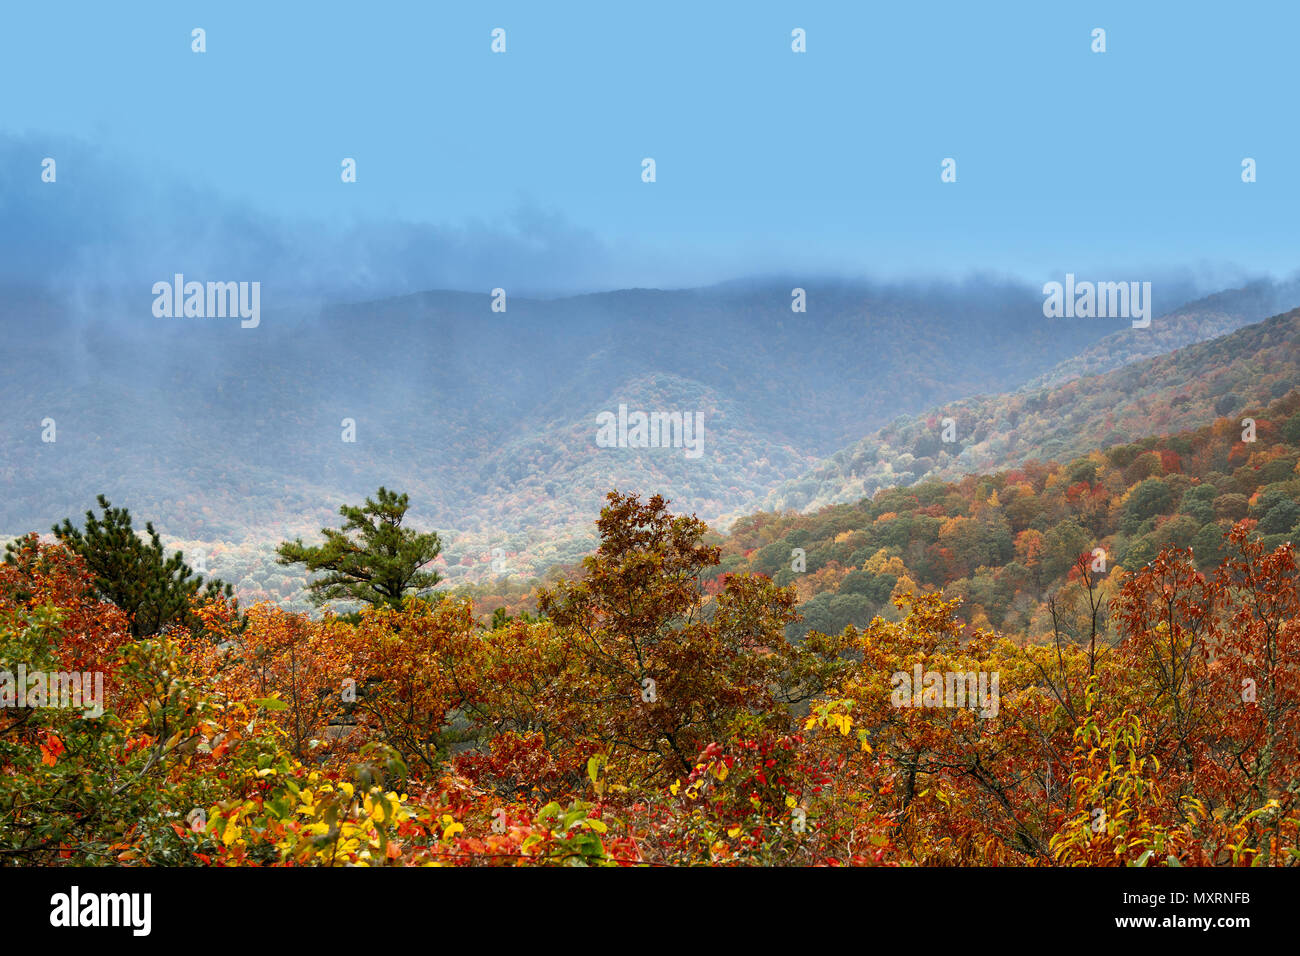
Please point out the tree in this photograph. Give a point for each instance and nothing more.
(153, 589)
(658, 674)
(372, 559)
(1152, 497)
(94, 772)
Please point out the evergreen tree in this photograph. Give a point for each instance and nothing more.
(137, 576)
(372, 558)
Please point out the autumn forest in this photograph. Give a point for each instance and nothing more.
(649, 476)
(682, 697)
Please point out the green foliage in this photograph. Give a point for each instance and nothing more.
(1152, 497)
(1208, 546)
(1291, 430)
(1232, 507)
(78, 786)
(1281, 518)
(372, 558)
(1064, 543)
(1198, 503)
(153, 589)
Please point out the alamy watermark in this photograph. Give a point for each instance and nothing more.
(1098, 300)
(215, 300)
(69, 690)
(973, 689)
(75, 908)
(651, 430)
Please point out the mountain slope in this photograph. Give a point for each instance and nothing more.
(488, 419)
(1006, 542)
(1181, 389)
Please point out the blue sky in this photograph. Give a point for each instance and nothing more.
(767, 160)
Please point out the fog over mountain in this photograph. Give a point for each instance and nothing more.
(489, 418)
(482, 404)
(1067, 413)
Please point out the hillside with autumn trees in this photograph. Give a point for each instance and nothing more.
(1006, 543)
(1105, 397)
(1121, 590)
(231, 442)
(663, 705)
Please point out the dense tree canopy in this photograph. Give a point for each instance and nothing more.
(646, 716)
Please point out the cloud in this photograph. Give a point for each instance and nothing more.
(101, 228)
(105, 231)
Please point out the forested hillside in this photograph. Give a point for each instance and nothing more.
(234, 438)
(1007, 542)
(1190, 386)
(654, 714)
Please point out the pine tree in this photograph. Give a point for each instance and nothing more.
(372, 558)
(138, 576)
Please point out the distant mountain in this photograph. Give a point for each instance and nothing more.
(1066, 413)
(488, 418)
(1198, 321)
